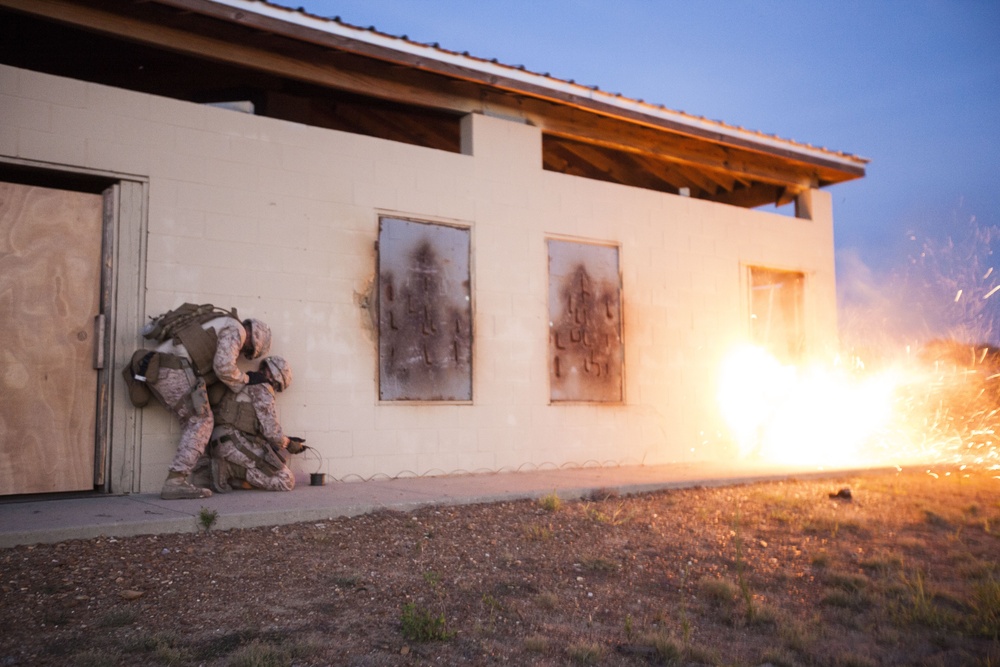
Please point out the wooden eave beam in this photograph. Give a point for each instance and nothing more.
(671, 148)
(695, 179)
(189, 43)
(711, 181)
(616, 170)
(669, 174)
(758, 195)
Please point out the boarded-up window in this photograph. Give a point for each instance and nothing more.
(776, 319)
(425, 312)
(585, 326)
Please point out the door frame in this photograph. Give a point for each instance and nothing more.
(117, 440)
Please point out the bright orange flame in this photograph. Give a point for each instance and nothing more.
(812, 416)
(829, 416)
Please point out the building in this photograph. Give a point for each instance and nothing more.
(470, 266)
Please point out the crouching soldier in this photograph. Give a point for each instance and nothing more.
(200, 345)
(248, 448)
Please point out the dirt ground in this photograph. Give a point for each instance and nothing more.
(906, 571)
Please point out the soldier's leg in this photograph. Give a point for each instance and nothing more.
(197, 423)
(282, 480)
(246, 468)
(189, 404)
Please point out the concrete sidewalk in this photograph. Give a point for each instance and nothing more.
(56, 520)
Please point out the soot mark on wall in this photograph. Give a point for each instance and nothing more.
(425, 314)
(585, 338)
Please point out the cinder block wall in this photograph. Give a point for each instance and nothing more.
(280, 220)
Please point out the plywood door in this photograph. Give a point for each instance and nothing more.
(50, 280)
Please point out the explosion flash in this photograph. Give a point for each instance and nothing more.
(787, 415)
(922, 411)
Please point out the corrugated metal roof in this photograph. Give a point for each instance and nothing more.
(491, 67)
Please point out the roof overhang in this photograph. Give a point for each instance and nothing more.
(726, 163)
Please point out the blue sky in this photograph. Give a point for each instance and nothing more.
(912, 85)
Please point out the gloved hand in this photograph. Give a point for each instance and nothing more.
(295, 445)
(256, 377)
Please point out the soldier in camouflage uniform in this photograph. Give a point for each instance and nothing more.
(248, 447)
(184, 393)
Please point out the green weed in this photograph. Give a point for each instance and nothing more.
(493, 606)
(917, 605)
(781, 517)
(599, 565)
(936, 519)
(117, 618)
(547, 600)
(537, 533)
(550, 502)
(986, 605)
(420, 625)
(616, 517)
(685, 620)
(585, 653)
(741, 575)
(845, 599)
(847, 582)
(718, 591)
(536, 644)
(207, 517)
(779, 657)
(667, 650)
(259, 654)
(883, 565)
(171, 655)
(96, 658)
(345, 579)
(144, 643)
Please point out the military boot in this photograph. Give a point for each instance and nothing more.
(177, 487)
(238, 477)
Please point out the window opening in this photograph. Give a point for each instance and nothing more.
(776, 312)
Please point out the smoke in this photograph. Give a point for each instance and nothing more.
(946, 288)
(935, 317)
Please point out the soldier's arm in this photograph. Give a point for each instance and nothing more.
(262, 398)
(231, 338)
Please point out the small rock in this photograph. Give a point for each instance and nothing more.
(843, 494)
(130, 595)
(405, 650)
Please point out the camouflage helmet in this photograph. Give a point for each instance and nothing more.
(281, 372)
(258, 339)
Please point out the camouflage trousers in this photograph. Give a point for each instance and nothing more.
(233, 449)
(186, 397)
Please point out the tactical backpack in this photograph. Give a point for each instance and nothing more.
(183, 326)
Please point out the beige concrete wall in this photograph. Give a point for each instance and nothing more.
(280, 220)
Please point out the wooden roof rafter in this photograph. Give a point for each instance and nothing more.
(601, 166)
(682, 177)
